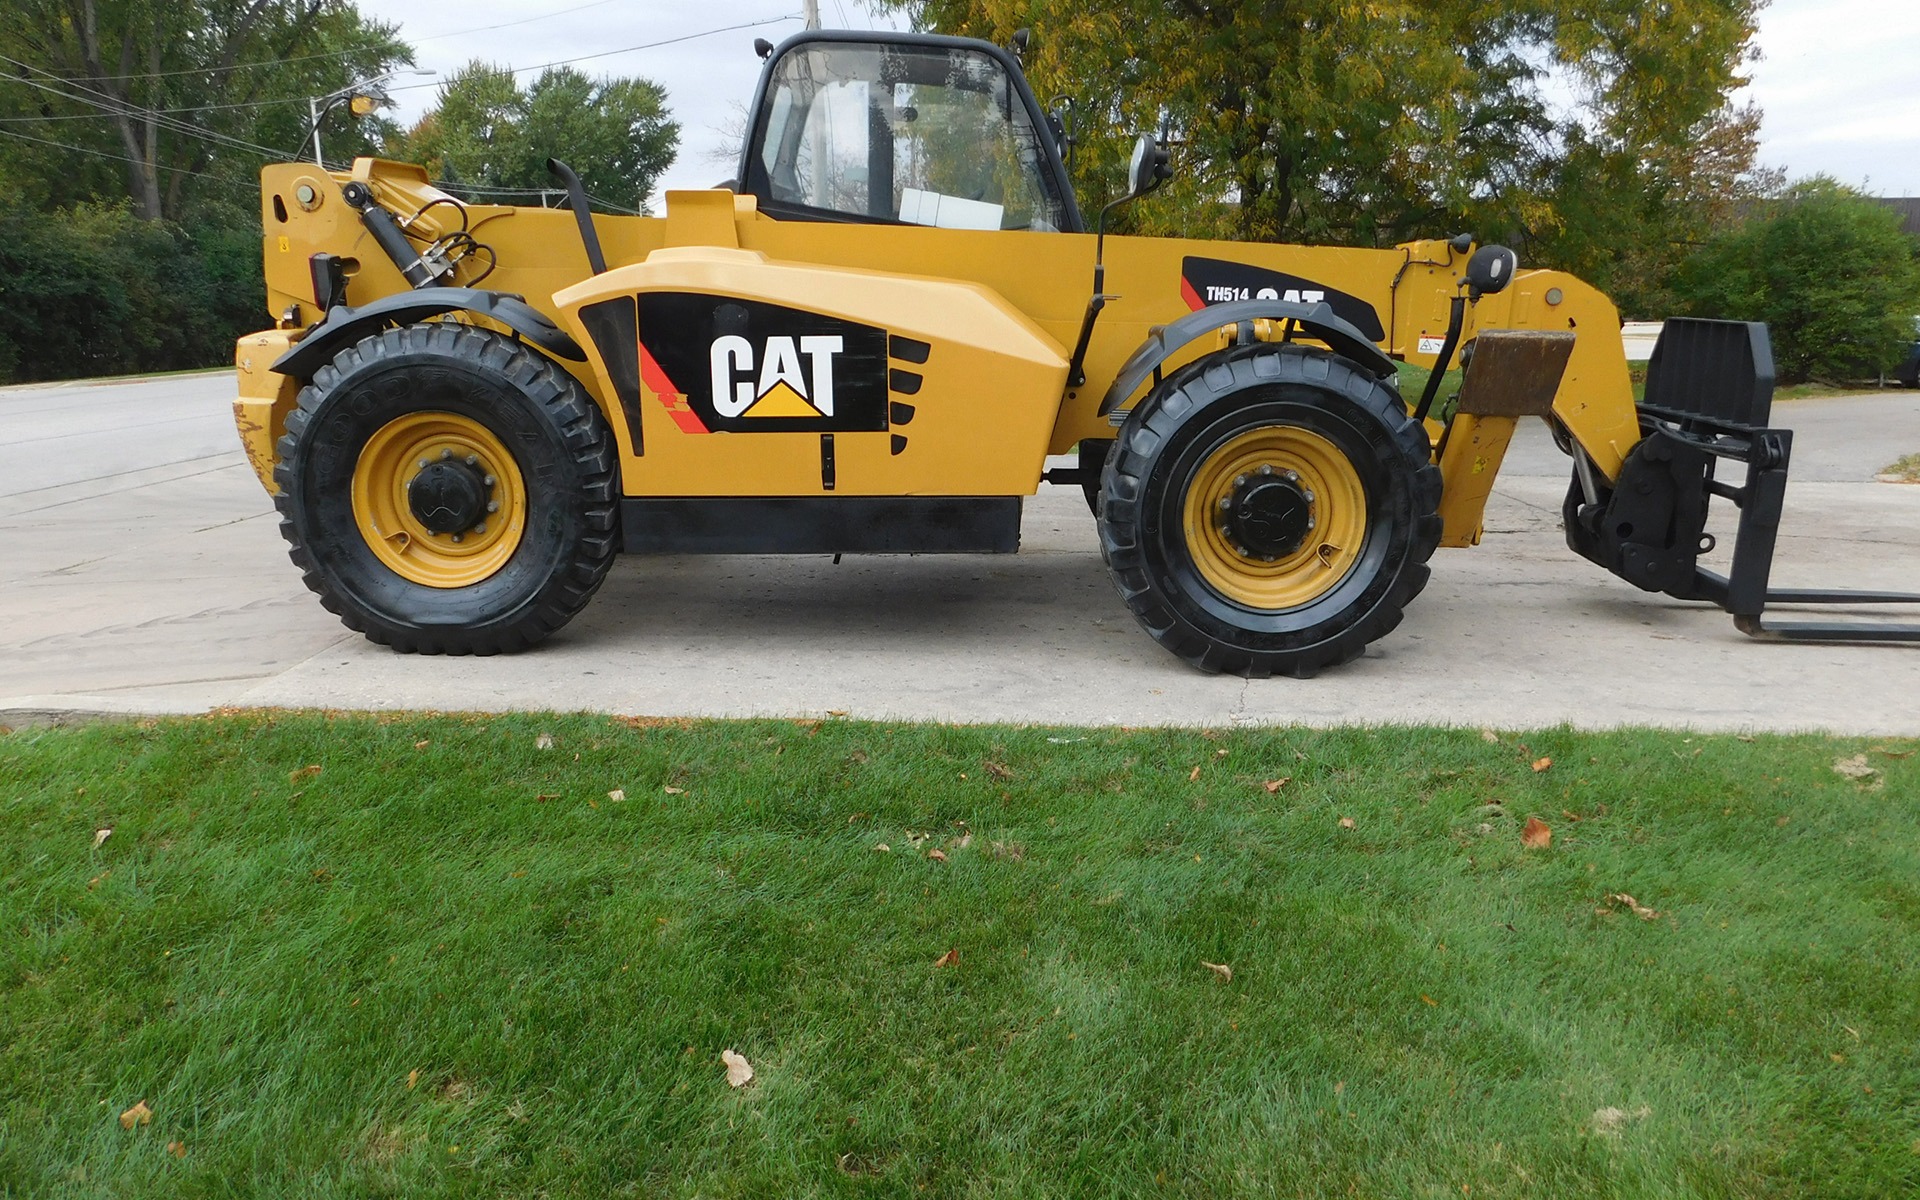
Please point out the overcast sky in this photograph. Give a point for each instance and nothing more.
(1839, 81)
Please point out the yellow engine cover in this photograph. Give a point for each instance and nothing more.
(739, 375)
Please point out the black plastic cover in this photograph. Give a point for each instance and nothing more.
(344, 326)
(1722, 370)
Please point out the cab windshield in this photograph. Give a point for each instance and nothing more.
(916, 134)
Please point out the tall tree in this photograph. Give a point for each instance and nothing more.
(1826, 268)
(488, 135)
(1370, 123)
(163, 96)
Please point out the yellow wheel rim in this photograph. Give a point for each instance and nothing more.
(388, 463)
(1338, 507)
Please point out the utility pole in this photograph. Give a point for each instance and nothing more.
(812, 10)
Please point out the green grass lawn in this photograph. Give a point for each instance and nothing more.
(449, 963)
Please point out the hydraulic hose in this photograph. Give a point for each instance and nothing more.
(1456, 316)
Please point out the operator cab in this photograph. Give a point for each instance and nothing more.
(903, 129)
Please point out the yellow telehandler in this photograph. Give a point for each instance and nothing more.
(871, 340)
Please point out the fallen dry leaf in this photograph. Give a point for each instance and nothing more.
(1224, 971)
(1429, 1000)
(999, 771)
(1541, 764)
(1220, 753)
(543, 742)
(139, 1114)
(1639, 910)
(302, 773)
(950, 959)
(671, 790)
(1608, 1121)
(965, 841)
(101, 835)
(617, 795)
(422, 744)
(177, 1149)
(1346, 822)
(1490, 737)
(1274, 785)
(883, 848)
(937, 855)
(1193, 776)
(836, 712)
(1854, 767)
(739, 1070)
(1537, 834)
(413, 1077)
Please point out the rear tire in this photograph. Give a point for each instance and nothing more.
(1329, 563)
(527, 529)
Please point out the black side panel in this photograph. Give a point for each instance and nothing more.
(616, 333)
(1721, 370)
(823, 525)
(1210, 281)
(746, 366)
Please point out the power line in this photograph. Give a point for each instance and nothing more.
(123, 158)
(277, 62)
(163, 111)
(115, 106)
(561, 62)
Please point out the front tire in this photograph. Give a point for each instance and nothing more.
(446, 490)
(1269, 509)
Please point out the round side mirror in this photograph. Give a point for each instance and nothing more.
(1490, 270)
(1149, 168)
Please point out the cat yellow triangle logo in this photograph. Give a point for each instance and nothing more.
(781, 401)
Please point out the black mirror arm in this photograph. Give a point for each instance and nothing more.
(1077, 369)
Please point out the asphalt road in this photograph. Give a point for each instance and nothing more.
(141, 571)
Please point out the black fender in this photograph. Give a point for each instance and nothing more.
(1315, 320)
(344, 326)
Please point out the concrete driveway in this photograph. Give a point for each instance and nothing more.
(141, 571)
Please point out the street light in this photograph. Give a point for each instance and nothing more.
(360, 99)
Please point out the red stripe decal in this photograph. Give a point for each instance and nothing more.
(1189, 295)
(671, 397)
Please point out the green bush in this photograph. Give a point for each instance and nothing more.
(94, 291)
(1830, 273)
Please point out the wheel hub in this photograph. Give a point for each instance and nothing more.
(449, 495)
(1269, 514)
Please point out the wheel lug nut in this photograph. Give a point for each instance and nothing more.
(1293, 476)
(1226, 502)
(1239, 481)
(480, 528)
(488, 481)
(1266, 469)
(1266, 558)
(493, 506)
(445, 454)
(473, 460)
(456, 537)
(423, 464)
(1309, 496)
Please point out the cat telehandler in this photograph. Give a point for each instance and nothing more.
(872, 339)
